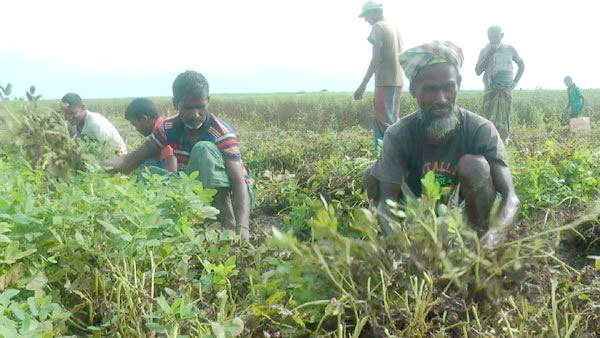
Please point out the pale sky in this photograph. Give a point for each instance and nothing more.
(136, 48)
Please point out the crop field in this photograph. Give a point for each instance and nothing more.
(85, 253)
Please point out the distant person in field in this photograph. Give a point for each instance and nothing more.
(89, 124)
(387, 46)
(576, 101)
(204, 143)
(463, 150)
(496, 62)
(143, 114)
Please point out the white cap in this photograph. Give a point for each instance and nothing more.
(369, 6)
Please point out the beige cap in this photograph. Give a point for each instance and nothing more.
(369, 6)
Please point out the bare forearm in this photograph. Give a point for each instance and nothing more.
(520, 73)
(483, 63)
(370, 71)
(170, 164)
(509, 206)
(508, 211)
(127, 163)
(481, 66)
(241, 207)
(388, 192)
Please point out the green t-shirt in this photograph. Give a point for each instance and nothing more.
(575, 101)
(406, 156)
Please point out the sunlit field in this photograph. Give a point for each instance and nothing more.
(85, 253)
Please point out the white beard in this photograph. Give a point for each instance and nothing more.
(440, 129)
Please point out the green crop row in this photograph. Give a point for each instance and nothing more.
(87, 253)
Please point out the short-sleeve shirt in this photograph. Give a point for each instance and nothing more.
(166, 151)
(171, 132)
(387, 37)
(406, 157)
(575, 101)
(98, 127)
(499, 70)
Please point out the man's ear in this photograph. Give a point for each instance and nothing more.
(458, 80)
(208, 99)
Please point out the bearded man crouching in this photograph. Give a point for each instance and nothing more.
(464, 150)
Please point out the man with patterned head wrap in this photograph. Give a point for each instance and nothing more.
(463, 149)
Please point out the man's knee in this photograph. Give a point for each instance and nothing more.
(202, 148)
(472, 168)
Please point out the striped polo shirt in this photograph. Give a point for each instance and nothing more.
(172, 132)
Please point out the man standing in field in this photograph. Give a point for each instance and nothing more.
(387, 46)
(89, 124)
(576, 101)
(143, 114)
(463, 149)
(204, 143)
(496, 62)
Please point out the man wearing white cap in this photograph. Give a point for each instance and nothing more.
(387, 46)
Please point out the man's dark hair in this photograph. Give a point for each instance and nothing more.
(190, 84)
(141, 107)
(568, 77)
(72, 99)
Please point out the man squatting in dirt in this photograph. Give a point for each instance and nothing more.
(463, 149)
(200, 142)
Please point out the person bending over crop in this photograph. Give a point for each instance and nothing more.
(576, 101)
(463, 149)
(387, 46)
(204, 143)
(144, 116)
(89, 124)
(496, 62)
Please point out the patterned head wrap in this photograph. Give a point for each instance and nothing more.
(417, 58)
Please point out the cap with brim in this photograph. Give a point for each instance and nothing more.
(369, 6)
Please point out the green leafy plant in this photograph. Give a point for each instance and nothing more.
(31, 96)
(5, 92)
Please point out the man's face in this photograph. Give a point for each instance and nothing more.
(74, 115)
(371, 17)
(143, 125)
(436, 89)
(495, 37)
(193, 111)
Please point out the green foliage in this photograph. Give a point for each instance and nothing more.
(102, 255)
(31, 96)
(5, 92)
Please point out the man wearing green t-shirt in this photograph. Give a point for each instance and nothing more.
(387, 46)
(576, 101)
(463, 150)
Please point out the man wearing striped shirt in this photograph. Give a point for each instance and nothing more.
(204, 143)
